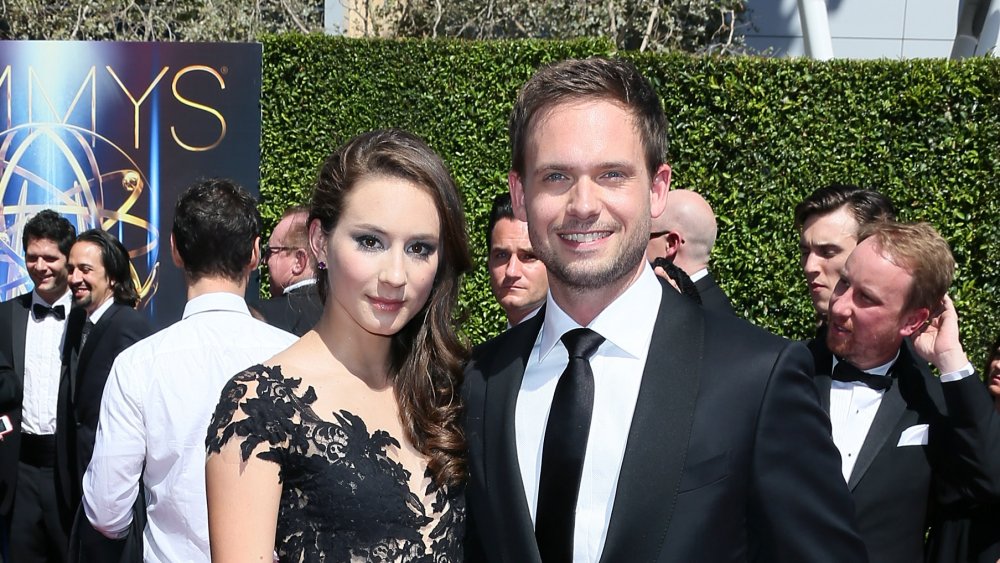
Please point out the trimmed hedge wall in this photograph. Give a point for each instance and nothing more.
(753, 135)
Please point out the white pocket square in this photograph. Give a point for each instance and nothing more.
(915, 435)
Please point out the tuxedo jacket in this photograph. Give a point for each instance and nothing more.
(85, 371)
(900, 489)
(728, 456)
(296, 311)
(13, 327)
(712, 296)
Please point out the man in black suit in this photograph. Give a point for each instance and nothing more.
(907, 441)
(517, 276)
(103, 323)
(32, 329)
(672, 434)
(828, 221)
(295, 304)
(685, 234)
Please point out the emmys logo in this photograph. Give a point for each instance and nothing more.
(91, 150)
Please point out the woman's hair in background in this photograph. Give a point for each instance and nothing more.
(426, 356)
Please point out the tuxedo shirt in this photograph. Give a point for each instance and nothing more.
(43, 344)
(853, 406)
(627, 326)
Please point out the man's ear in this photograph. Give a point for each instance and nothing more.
(517, 195)
(176, 256)
(301, 261)
(317, 240)
(255, 254)
(673, 244)
(914, 320)
(658, 191)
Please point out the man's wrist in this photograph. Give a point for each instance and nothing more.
(956, 375)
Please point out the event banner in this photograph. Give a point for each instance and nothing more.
(108, 134)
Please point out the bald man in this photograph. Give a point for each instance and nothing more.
(685, 234)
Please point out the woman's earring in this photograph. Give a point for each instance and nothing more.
(321, 265)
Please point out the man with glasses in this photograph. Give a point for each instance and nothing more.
(294, 304)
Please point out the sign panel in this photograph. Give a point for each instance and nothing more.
(108, 134)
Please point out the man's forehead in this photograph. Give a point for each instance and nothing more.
(44, 245)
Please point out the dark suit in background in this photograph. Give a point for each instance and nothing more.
(729, 456)
(900, 490)
(295, 311)
(712, 296)
(85, 370)
(13, 325)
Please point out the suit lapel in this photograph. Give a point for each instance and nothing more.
(823, 361)
(887, 418)
(18, 330)
(503, 473)
(659, 435)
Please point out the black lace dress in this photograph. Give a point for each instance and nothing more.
(342, 499)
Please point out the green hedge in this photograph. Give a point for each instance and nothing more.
(753, 135)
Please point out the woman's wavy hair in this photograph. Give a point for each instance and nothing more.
(426, 356)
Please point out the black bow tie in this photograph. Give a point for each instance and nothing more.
(41, 311)
(846, 372)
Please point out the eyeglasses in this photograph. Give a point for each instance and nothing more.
(267, 251)
(657, 234)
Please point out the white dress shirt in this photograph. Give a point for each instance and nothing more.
(95, 317)
(627, 326)
(699, 274)
(43, 345)
(852, 410)
(298, 284)
(157, 405)
(853, 406)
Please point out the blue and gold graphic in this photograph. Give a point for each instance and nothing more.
(107, 134)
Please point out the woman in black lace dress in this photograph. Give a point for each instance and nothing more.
(346, 447)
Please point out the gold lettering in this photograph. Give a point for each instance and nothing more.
(136, 104)
(91, 78)
(196, 105)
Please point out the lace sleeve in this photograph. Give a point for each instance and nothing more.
(259, 406)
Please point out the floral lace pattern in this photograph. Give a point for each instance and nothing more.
(342, 499)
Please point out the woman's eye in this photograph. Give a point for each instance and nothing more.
(368, 242)
(421, 249)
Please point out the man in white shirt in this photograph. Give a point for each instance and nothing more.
(908, 443)
(162, 392)
(517, 276)
(32, 330)
(685, 234)
(670, 435)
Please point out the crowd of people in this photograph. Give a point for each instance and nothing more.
(625, 414)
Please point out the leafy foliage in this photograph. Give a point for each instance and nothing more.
(659, 25)
(754, 136)
(149, 20)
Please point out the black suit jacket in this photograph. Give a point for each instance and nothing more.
(898, 490)
(727, 456)
(85, 371)
(13, 325)
(296, 311)
(712, 296)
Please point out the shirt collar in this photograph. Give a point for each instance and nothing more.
(877, 370)
(66, 300)
(99, 312)
(699, 274)
(218, 301)
(298, 284)
(627, 322)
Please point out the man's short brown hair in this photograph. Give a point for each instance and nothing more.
(593, 79)
(922, 252)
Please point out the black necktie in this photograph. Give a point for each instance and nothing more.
(846, 372)
(41, 311)
(85, 332)
(565, 447)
